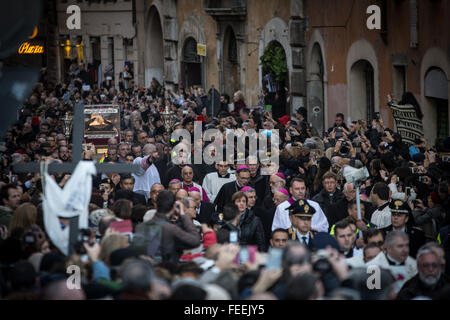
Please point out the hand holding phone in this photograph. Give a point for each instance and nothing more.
(274, 260)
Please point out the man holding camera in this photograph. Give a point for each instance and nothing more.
(159, 238)
(338, 123)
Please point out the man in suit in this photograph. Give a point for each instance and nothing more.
(228, 189)
(126, 190)
(205, 209)
(400, 213)
(300, 214)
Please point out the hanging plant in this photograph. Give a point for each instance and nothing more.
(274, 61)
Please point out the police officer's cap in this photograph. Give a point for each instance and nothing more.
(301, 209)
(399, 207)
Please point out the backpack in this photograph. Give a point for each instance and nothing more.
(148, 237)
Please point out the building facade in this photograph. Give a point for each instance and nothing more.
(351, 69)
(334, 63)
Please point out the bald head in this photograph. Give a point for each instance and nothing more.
(181, 194)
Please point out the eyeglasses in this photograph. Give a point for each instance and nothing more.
(433, 265)
(378, 243)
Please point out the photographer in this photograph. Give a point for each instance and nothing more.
(163, 247)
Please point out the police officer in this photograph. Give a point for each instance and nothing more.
(300, 214)
(400, 213)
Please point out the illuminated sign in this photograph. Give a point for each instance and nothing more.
(27, 48)
(201, 49)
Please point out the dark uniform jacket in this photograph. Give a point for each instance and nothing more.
(293, 236)
(416, 238)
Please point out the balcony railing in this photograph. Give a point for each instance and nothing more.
(226, 7)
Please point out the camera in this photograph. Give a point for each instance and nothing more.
(344, 148)
(377, 116)
(414, 170)
(339, 133)
(322, 265)
(29, 238)
(408, 191)
(423, 179)
(83, 236)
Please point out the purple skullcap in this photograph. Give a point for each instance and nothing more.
(174, 181)
(283, 191)
(242, 168)
(246, 188)
(193, 189)
(280, 175)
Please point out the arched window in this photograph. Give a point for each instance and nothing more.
(190, 51)
(362, 91)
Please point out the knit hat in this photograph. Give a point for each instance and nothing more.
(281, 175)
(283, 191)
(193, 189)
(322, 240)
(240, 168)
(284, 119)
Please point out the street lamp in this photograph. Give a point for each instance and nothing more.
(68, 121)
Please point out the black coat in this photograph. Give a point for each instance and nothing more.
(261, 185)
(414, 288)
(416, 238)
(225, 194)
(251, 231)
(326, 203)
(206, 212)
(266, 216)
(174, 172)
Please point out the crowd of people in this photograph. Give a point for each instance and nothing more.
(223, 230)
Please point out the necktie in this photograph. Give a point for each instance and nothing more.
(304, 240)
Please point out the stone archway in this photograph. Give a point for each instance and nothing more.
(275, 30)
(435, 67)
(315, 88)
(191, 29)
(361, 84)
(276, 94)
(191, 64)
(362, 50)
(154, 44)
(230, 62)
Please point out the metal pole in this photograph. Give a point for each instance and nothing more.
(358, 205)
